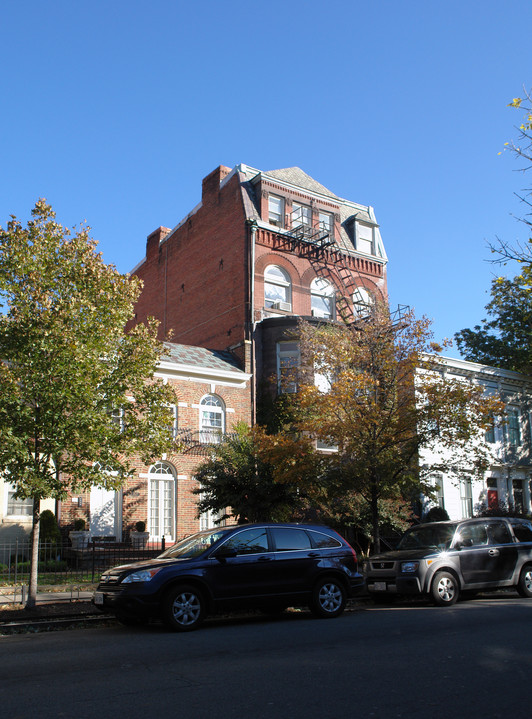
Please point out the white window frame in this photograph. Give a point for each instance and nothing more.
(156, 475)
(366, 245)
(326, 222)
(301, 215)
(276, 210)
(322, 293)
(363, 302)
(9, 490)
(175, 420)
(510, 430)
(288, 361)
(466, 497)
(278, 285)
(211, 430)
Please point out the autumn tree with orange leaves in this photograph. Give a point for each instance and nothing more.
(376, 391)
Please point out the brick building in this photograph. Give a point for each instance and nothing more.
(213, 395)
(259, 249)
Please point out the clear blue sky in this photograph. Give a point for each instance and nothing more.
(114, 111)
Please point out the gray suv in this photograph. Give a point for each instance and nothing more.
(442, 560)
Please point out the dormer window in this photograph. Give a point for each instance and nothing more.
(276, 211)
(365, 242)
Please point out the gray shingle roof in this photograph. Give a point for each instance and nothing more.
(297, 177)
(200, 357)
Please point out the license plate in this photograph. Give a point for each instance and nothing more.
(380, 586)
(98, 598)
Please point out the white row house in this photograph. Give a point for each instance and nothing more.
(508, 482)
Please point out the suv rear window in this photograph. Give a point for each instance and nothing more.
(522, 531)
(323, 541)
(289, 539)
(499, 533)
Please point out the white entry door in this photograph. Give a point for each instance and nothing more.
(104, 514)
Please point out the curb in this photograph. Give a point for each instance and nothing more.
(33, 626)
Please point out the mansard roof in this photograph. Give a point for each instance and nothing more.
(296, 176)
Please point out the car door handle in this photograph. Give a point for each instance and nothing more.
(265, 559)
(313, 554)
(494, 552)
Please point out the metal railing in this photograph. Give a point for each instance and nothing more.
(61, 563)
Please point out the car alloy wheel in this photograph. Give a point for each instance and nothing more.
(524, 586)
(183, 608)
(329, 598)
(444, 589)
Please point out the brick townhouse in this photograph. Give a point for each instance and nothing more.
(212, 396)
(259, 250)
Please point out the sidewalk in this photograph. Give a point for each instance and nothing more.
(19, 594)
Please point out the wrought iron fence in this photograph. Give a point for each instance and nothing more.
(60, 562)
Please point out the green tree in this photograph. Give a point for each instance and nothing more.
(238, 483)
(372, 390)
(505, 339)
(77, 393)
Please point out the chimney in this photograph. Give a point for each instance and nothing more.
(154, 240)
(210, 186)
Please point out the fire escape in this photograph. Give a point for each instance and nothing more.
(316, 243)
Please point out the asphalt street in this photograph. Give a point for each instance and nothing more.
(408, 660)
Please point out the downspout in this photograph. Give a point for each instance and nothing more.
(253, 233)
(165, 287)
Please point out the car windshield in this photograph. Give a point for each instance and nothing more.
(435, 536)
(195, 545)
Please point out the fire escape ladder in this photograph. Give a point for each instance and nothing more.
(350, 302)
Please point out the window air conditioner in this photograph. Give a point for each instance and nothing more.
(286, 306)
(320, 313)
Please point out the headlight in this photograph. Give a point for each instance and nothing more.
(409, 566)
(143, 575)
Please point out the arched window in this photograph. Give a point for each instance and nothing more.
(162, 504)
(322, 298)
(277, 288)
(212, 419)
(363, 302)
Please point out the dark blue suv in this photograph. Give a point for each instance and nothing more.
(269, 566)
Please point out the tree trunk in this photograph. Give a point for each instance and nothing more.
(375, 516)
(34, 559)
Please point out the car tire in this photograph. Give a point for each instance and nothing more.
(329, 598)
(444, 589)
(183, 608)
(524, 585)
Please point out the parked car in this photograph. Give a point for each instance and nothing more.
(269, 566)
(442, 560)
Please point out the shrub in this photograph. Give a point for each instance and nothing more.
(80, 524)
(140, 526)
(49, 528)
(436, 514)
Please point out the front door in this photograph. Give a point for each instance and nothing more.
(103, 512)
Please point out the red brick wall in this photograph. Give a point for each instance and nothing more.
(135, 489)
(195, 282)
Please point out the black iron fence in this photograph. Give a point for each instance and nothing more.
(62, 563)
